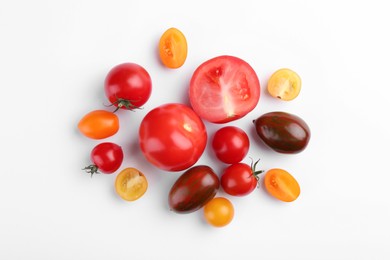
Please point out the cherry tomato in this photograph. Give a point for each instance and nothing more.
(131, 184)
(99, 124)
(172, 137)
(224, 89)
(281, 185)
(193, 189)
(173, 48)
(284, 84)
(230, 144)
(219, 212)
(106, 158)
(240, 179)
(128, 86)
(283, 132)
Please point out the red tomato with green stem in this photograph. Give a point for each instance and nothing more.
(172, 137)
(106, 158)
(224, 89)
(128, 86)
(240, 179)
(230, 144)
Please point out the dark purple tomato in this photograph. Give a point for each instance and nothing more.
(193, 189)
(283, 132)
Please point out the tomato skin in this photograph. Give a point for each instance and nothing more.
(173, 48)
(238, 179)
(283, 132)
(107, 157)
(224, 89)
(219, 212)
(193, 189)
(99, 124)
(172, 137)
(128, 86)
(281, 185)
(230, 144)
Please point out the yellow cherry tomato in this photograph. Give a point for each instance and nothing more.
(173, 48)
(284, 84)
(218, 212)
(281, 185)
(131, 184)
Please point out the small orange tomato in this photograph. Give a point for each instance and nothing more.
(218, 212)
(99, 124)
(173, 48)
(131, 184)
(284, 84)
(281, 185)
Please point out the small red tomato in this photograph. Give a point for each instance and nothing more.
(128, 86)
(240, 179)
(230, 144)
(106, 158)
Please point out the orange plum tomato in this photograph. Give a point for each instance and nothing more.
(99, 124)
(281, 185)
(172, 137)
(131, 184)
(173, 48)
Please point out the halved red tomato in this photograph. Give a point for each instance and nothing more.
(224, 89)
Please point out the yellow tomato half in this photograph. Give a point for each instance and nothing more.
(131, 184)
(284, 84)
(173, 48)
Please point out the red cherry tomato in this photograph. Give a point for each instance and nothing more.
(230, 144)
(106, 158)
(240, 179)
(128, 86)
(172, 137)
(224, 89)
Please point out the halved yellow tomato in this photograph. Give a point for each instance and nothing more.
(131, 184)
(284, 84)
(281, 185)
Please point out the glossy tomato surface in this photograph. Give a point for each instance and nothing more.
(230, 144)
(128, 86)
(173, 48)
(99, 124)
(239, 179)
(193, 189)
(224, 89)
(172, 137)
(283, 132)
(219, 212)
(106, 158)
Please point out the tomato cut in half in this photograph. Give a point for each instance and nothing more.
(173, 48)
(224, 89)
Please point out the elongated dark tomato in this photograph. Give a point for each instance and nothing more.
(283, 132)
(193, 189)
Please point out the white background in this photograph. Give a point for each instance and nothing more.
(54, 56)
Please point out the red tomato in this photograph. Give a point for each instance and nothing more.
(224, 89)
(230, 144)
(240, 179)
(106, 158)
(128, 86)
(172, 137)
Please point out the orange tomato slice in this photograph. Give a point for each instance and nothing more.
(173, 48)
(284, 84)
(281, 185)
(131, 184)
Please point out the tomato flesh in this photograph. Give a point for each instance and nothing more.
(281, 185)
(224, 89)
(131, 184)
(173, 48)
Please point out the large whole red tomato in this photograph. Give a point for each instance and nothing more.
(128, 86)
(172, 137)
(224, 89)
